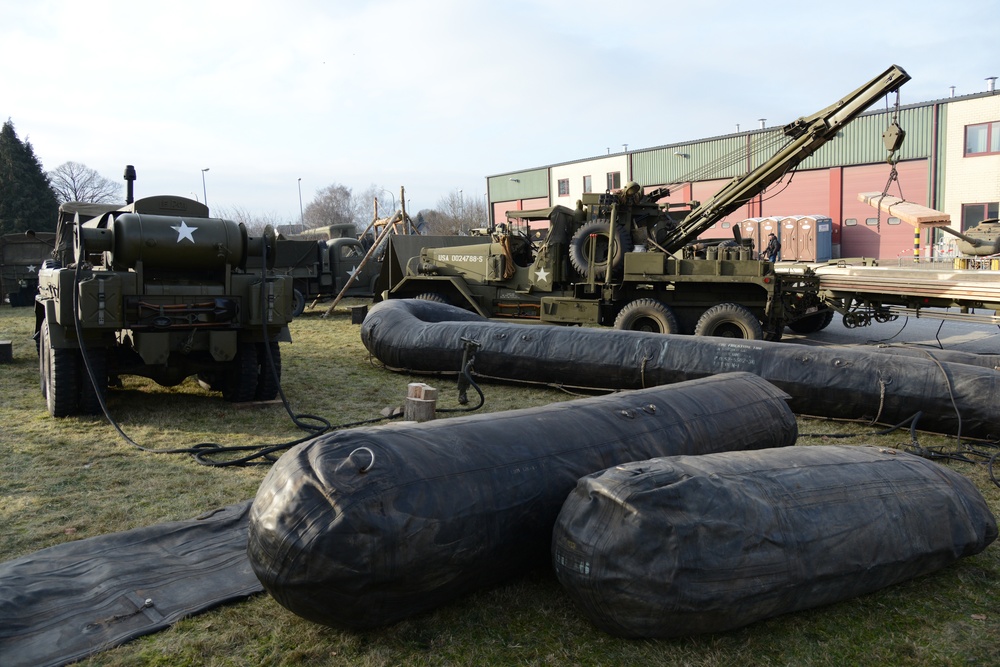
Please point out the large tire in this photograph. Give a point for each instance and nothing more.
(647, 315)
(91, 397)
(436, 297)
(43, 359)
(729, 320)
(597, 232)
(812, 323)
(298, 303)
(240, 382)
(62, 380)
(268, 381)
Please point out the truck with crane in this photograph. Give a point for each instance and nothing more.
(624, 259)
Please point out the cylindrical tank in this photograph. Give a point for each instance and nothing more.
(168, 242)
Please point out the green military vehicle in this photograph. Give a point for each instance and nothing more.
(623, 259)
(157, 288)
(321, 268)
(21, 255)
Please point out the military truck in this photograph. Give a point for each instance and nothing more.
(157, 288)
(624, 259)
(321, 268)
(21, 255)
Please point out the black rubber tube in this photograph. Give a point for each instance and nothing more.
(837, 382)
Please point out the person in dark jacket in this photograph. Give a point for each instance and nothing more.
(773, 248)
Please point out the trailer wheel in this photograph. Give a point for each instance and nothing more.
(92, 396)
(596, 233)
(812, 323)
(240, 382)
(647, 315)
(62, 377)
(267, 381)
(298, 303)
(729, 320)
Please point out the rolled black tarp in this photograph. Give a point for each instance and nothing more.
(699, 544)
(365, 527)
(835, 382)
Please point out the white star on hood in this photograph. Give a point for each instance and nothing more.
(184, 232)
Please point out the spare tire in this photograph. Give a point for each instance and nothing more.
(596, 233)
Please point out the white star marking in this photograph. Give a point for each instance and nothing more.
(351, 272)
(184, 232)
(541, 275)
(32, 268)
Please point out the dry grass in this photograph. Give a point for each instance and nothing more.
(65, 479)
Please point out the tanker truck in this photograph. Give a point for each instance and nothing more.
(157, 288)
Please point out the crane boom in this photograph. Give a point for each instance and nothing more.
(806, 135)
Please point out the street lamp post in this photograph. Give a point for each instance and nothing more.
(301, 216)
(204, 188)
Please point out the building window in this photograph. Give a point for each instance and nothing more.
(982, 139)
(871, 222)
(893, 221)
(973, 214)
(850, 222)
(564, 187)
(588, 184)
(614, 180)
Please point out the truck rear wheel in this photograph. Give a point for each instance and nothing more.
(593, 236)
(240, 382)
(812, 323)
(647, 315)
(729, 320)
(62, 377)
(267, 381)
(92, 396)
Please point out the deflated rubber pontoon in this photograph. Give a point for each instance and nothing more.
(365, 527)
(836, 382)
(697, 544)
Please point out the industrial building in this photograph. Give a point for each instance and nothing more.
(949, 161)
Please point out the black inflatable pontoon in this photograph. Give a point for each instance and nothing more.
(836, 382)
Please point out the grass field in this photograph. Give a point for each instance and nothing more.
(67, 479)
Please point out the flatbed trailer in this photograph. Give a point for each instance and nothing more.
(863, 294)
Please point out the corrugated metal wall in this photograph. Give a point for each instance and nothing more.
(529, 184)
(861, 141)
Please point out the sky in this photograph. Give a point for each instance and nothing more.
(274, 98)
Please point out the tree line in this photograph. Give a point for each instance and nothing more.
(30, 198)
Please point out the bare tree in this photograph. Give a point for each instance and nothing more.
(254, 222)
(72, 181)
(333, 205)
(463, 213)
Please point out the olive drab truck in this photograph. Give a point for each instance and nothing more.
(625, 259)
(157, 288)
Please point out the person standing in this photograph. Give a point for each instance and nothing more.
(773, 248)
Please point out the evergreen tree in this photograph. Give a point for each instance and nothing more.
(26, 197)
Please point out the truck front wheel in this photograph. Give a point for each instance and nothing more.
(729, 320)
(647, 315)
(62, 376)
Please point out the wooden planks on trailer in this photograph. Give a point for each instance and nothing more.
(909, 212)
